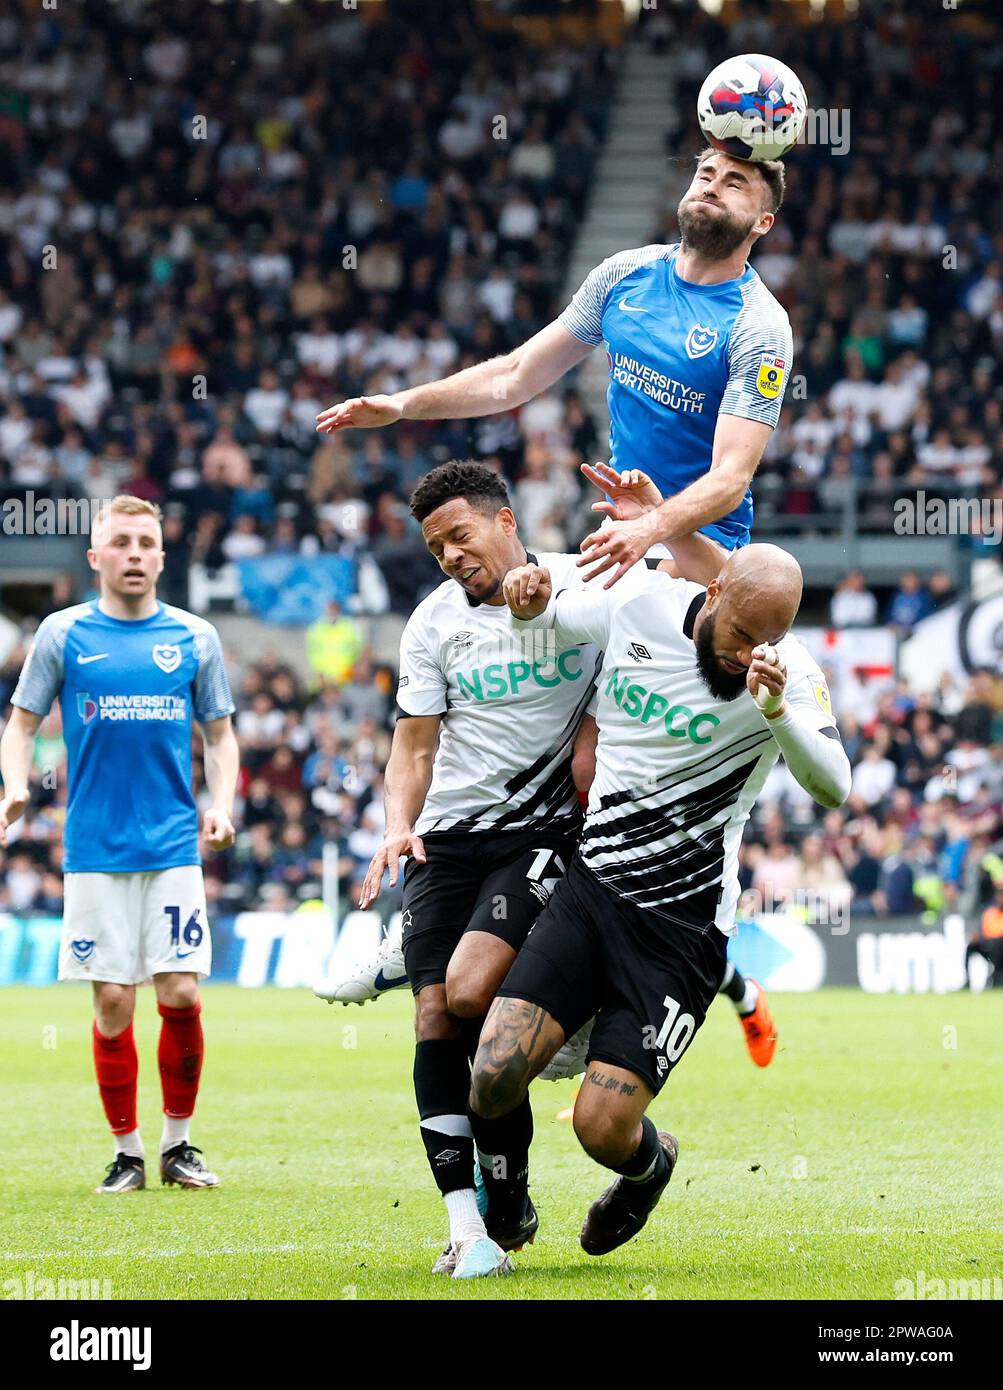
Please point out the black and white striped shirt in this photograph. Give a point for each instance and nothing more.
(677, 771)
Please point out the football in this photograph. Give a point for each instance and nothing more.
(752, 107)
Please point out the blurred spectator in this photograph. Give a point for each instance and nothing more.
(333, 645)
(853, 604)
(909, 604)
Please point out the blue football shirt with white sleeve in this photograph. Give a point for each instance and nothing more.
(680, 354)
(128, 691)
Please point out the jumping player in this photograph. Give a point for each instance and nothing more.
(699, 352)
(131, 674)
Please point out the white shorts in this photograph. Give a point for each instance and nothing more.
(124, 928)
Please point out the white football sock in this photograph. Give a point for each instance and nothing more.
(749, 999)
(130, 1144)
(465, 1221)
(175, 1132)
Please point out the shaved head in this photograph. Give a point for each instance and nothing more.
(754, 599)
(763, 584)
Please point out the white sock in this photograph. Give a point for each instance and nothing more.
(175, 1132)
(465, 1221)
(130, 1144)
(749, 999)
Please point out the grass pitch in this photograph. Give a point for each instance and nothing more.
(868, 1151)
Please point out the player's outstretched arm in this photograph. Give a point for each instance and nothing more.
(573, 615)
(630, 495)
(221, 757)
(502, 383)
(16, 747)
(406, 783)
(738, 447)
(814, 753)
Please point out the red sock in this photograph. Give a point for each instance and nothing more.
(180, 1057)
(117, 1068)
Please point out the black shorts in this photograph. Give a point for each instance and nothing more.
(647, 980)
(496, 882)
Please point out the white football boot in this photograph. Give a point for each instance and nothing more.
(569, 1060)
(368, 979)
(479, 1257)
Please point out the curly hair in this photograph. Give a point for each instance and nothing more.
(474, 482)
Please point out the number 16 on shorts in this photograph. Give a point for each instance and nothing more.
(187, 939)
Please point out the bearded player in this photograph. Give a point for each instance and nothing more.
(699, 355)
(131, 674)
(635, 932)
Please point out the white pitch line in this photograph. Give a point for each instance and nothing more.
(331, 1246)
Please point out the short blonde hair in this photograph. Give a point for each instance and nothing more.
(130, 506)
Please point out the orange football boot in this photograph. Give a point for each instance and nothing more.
(760, 1030)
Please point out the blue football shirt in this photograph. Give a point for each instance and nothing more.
(679, 355)
(128, 692)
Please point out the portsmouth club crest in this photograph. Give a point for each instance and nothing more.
(167, 656)
(700, 340)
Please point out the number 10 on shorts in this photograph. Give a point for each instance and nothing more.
(191, 934)
(674, 1035)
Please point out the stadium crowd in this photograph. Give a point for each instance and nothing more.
(217, 281)
(203, 245)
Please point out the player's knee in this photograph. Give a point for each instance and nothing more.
(468, 995)
(177, 991)
(605, 1137)
(432, 1019)
(113, 1008)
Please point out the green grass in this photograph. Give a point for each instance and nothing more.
(868, 1151)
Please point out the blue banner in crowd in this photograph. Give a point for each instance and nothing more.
(295, 589)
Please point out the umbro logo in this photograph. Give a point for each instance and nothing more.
(462, 639)
(638, 651)
(447, 1156)
(662, 1064)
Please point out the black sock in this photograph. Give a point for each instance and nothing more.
(733, 984)
(471, 1030)
(441, 1087)
(647, 1165)
(503, 1155)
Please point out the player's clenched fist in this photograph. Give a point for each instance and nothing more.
(217, 827)
(396, 846)
(767, 679)
(527, 590)
(360, 413)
